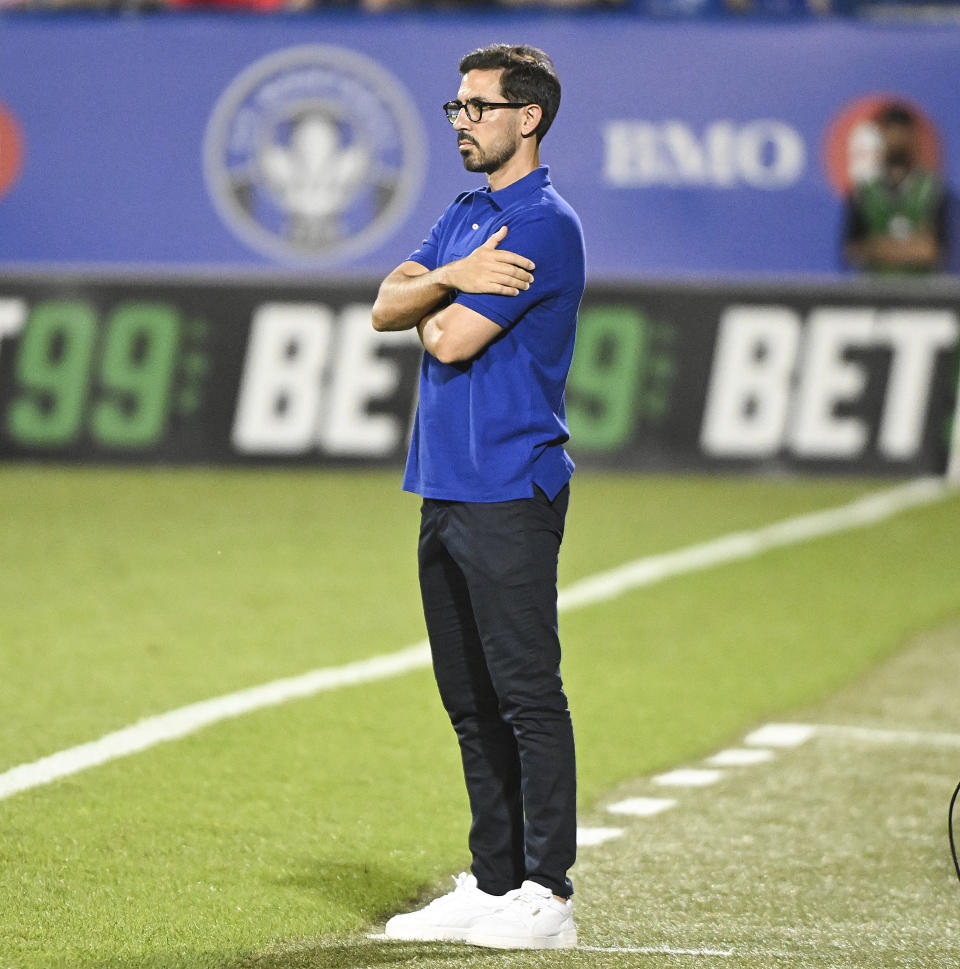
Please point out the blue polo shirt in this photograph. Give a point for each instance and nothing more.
(491, 428)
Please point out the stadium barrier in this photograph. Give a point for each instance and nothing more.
(802, 377)
(317, 144)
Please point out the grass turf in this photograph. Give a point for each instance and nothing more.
(126, 593)
(832, 855)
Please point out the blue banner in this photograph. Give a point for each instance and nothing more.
(317, 144)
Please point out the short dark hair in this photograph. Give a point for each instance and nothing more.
(898, 113)
(528, 75)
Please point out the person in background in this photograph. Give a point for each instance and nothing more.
(897, 220)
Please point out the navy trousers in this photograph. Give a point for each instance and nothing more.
(488, 577)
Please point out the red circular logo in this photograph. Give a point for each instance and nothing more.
(852, 148)
(11, 149)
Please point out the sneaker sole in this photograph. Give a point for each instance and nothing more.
(562, 940)
(429, 935)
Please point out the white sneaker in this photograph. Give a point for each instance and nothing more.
(531, 918)
(448, 918)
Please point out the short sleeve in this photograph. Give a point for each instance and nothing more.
(554, 245)
(428, 254)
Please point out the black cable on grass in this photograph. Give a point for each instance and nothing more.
(953, 844)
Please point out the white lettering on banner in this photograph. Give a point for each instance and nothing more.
(917, 336)
(281, 383)
(308, 381)
(13, 316)
(779, 382)
(829, 381)
(747, 415)
(765, 154)
(770, 154)
(361, 376)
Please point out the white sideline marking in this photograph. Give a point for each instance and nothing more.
(601, 587)
(688, 777)
(642, 807)
(863, 511)
(740, 757)
(588, 837)
(655, 950)
(648, 950)
(185, 720)
(877, 735)
(780, 735)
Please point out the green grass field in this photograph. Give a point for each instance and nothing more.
(284, 837)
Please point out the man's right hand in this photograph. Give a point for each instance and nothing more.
(412, 291)
(490, 270)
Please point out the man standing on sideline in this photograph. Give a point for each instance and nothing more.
(493, 293)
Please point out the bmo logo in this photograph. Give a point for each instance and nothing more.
(763, 154)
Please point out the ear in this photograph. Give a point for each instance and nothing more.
(530, 119)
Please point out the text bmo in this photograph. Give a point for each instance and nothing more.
(315, 379)
(765, 154)
(784, 383)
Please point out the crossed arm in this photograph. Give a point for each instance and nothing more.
(414, 296)
(920, 251)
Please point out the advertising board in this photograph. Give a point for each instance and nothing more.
(665, 377)
(317, 144)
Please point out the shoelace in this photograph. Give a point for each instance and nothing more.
(462, 881)
(530, 902)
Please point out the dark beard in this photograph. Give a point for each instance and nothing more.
(898, 158)
(477, 161)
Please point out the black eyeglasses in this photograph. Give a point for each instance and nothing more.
(475, 108)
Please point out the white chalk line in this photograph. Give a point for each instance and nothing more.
(603, 586)
(780, 735)
(930, 738)
(867, 510)
(653, 950)
(795, 734)
(647, 950)
(784, 735)
(186, 720)
(590, 837)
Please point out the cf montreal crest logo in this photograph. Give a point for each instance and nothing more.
(314, 155)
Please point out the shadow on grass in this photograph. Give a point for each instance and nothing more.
(344, 894)
(356, 953)
(372, 893)
(372, 953)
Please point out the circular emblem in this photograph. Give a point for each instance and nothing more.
(314, 155)
(853, 145)
(11, 149)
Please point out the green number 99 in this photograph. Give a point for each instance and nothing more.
(53, 371)
(136, 374)
(604, 376)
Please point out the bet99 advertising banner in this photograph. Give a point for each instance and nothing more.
(316, 144)
(664, 377)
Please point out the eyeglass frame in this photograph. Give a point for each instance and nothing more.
(480, 105)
